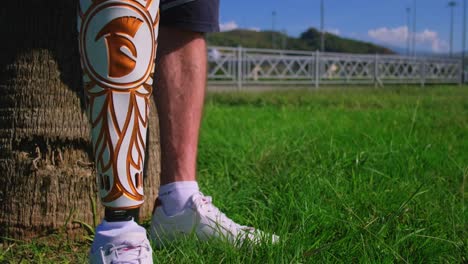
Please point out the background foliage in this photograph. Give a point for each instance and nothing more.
(308, 40)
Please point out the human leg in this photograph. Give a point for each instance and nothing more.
(181, 209)
(180, 92)
(179, 98)
(181, 80)
(117, 42)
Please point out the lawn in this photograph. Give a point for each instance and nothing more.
(342, 175)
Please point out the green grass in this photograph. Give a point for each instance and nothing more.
(342, 175)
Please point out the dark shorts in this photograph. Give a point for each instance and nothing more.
(194, 15)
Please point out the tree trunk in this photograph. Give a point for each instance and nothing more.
(47, 179)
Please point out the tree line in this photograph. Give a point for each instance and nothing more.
(308, 40)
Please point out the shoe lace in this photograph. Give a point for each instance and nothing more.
(126, 253)
(238, 233)
(220, 219)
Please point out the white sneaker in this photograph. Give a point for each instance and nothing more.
(206, 221)
(128, 248)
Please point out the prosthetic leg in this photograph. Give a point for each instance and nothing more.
(117, 41)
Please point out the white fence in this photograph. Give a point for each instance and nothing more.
(242, 66)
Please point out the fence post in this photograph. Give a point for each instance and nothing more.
(462, 79)
(376, 70)
(423, 72)
(317, 69)
(239, 68)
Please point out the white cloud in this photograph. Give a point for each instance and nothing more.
(334, 31)
(431, 37)
(230, 25)
(398, 37)
(256, 29)
(393, 36)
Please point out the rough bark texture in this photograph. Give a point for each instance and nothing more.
(46, 182)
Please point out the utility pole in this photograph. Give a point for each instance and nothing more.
(322, 26)
(273, 40)
(451, 5)
(408, 35)
(463, 42)
(413, 34)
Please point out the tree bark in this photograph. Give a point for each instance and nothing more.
(47, 180)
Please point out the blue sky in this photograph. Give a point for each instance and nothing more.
(379, 21)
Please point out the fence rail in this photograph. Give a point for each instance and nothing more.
(245, 66)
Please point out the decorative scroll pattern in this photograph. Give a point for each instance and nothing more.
(118, 49)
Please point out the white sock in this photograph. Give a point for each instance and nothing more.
(106, 231)
(174, 196)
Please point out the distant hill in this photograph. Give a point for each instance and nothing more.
(308, 40)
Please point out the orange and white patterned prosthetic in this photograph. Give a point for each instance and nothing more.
(117, 41)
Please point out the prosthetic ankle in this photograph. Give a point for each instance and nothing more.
(117, 41)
